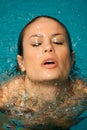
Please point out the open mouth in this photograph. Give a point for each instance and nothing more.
(49, 63)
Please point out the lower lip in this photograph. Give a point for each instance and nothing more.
(50, 66)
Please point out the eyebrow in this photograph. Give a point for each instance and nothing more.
(36, 35)
(53, 35)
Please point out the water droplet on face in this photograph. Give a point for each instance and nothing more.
(47, 73)
(38, 26)
(16, 81)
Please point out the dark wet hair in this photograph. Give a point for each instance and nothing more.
(21, 36)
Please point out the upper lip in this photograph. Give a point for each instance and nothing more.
(49, 60)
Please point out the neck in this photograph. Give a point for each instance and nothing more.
(46, 89)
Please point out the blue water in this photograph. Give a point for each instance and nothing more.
(14, 14)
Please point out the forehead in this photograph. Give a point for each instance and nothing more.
(45, 25)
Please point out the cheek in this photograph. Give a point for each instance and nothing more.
(28, 60)
(67, 62)
(31, 59)
(65, 59)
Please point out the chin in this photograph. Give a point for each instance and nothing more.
(50, 78)
(54, 78)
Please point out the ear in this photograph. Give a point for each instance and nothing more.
(73, 57)
(21, 62)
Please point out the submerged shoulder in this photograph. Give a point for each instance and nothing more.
(13, 82)
(10, 88)
(80, 86)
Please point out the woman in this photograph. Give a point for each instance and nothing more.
(47, 95)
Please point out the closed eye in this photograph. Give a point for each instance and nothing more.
(36, 44)
(58, 43)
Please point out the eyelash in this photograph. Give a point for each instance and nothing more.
(58, 43)
(36, 44)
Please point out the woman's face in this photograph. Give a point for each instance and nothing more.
(46, 54)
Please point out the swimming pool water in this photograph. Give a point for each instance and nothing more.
(15, 14)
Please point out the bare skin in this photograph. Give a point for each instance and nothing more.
(45, 95)
(60, 112)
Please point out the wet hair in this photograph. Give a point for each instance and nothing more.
(21, 36)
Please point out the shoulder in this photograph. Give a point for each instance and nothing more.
(13, 83)
(79, 87)
(10, 88)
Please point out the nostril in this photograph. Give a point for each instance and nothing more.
(50, 50)
(45, 50)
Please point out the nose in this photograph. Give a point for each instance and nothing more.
(48, 48)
